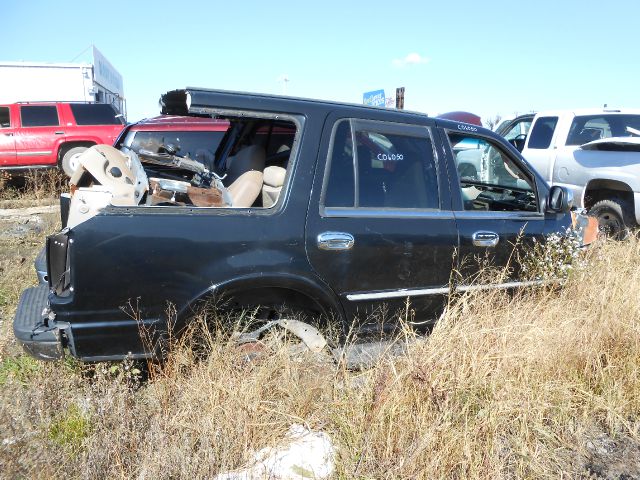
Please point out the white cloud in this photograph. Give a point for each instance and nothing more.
(411, 59)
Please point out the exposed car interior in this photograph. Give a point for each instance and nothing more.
(248, 168)
(250, 163)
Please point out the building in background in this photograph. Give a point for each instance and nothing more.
(96, 82)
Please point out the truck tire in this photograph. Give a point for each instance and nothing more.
(69, 161)
(614, 217)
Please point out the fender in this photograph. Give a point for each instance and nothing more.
(601, 182)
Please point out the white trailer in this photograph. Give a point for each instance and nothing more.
(62, 82)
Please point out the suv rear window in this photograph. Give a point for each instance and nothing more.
(95, 114)
(39, 115)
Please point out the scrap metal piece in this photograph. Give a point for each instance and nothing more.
(117, 172)
(308, 334)
(585, 225)
(105, 175)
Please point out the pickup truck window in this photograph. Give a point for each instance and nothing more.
(520, 128)
(39, 115)
(392, 166)
(4, 117)
(490, 180)
(587, 128)
(94, 114)
(542, 132)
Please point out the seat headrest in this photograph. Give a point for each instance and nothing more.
(274, 176)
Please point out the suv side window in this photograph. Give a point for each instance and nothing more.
(39, 115)
(392, 166)
(5, 121)
(542, 132)
(491, 180)
(94, 114)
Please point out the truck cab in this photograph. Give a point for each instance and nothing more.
(595, 154)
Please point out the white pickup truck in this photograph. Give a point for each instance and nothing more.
(595, 153)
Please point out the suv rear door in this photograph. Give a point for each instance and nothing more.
(380, 227)
(37, 139)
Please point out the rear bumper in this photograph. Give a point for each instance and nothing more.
(38, 337)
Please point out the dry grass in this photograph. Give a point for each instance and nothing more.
(35, 187)
(506, 386)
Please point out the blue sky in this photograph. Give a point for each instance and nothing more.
(487, 57)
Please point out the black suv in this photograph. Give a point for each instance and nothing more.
(335, 209)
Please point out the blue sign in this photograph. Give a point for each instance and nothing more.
(375, 98)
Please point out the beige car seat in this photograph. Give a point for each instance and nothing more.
(273, 181)
(244, 175)
(245, 190)
(248, 158)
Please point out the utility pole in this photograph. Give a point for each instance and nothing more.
(400, 98)
(284, 79)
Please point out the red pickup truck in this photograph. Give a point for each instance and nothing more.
(40, 135)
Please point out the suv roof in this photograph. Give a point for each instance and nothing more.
(190, 99)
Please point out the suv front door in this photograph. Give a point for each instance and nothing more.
(380, 228)
(498, 209)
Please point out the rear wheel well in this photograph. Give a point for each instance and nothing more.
(598, 190)
(65, 147)
(272, 297)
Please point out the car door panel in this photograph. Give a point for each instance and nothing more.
(508, 210)
(396, 253)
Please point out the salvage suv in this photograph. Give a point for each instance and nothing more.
(336, 210)
(48, 134)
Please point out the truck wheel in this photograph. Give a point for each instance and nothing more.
(613, 218)
(69, 162)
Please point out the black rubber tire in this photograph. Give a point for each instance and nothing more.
(65, 162)
(614, 217)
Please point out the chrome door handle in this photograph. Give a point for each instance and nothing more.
(58, 133)
(335, 241)
(485, 239)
